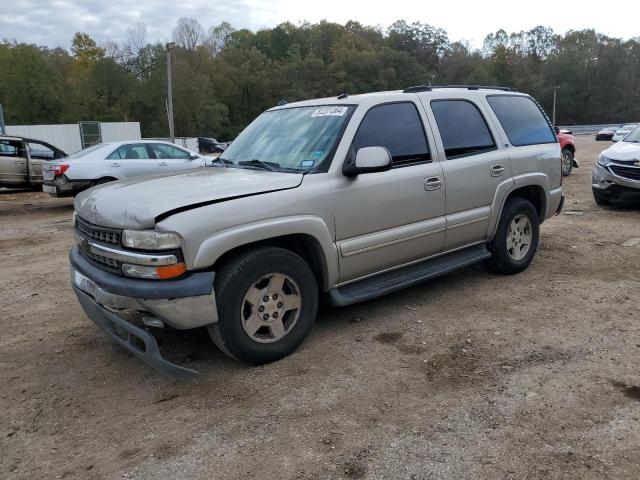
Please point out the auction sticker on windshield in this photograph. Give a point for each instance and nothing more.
(329, 111)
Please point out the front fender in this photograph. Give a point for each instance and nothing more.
(223, 241)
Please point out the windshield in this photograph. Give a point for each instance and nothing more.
(634, 136)
(290, 139)
(86, 151)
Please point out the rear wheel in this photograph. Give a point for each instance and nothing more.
(267, 300)
(516, 240)
(567, 162)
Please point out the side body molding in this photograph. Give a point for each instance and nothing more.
(223, 241)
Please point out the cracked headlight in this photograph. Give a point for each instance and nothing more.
(150, 240)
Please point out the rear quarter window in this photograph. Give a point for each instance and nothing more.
(522, 120)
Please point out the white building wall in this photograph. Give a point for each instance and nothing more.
(120, 131)
(67, 136)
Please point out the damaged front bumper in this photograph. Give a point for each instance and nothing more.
(613, 188)
(184, 303)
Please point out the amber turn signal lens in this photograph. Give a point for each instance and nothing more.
(171, 271)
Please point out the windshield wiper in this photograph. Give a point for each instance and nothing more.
(254, 162)
(223, 161)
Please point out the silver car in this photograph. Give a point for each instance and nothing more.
(106, 162)
(347, 198)
(616, 176)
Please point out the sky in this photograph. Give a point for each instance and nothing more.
(53, 22)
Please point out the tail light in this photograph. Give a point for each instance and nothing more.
(60, 169)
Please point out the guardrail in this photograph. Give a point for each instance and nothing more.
(589, 129)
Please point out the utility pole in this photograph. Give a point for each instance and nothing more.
(170, 46)
(555, 88)
(3, 130)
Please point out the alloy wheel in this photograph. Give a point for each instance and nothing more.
(271, 307)
(519, 237)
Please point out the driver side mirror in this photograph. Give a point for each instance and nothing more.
(556, 130)
(367, 160)
(194, 156)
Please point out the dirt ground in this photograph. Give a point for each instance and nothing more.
(469, 376)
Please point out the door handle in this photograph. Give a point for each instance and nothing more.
(163, 164)
(497, 170)
(432, 183)
(115, 164)
(20, 162)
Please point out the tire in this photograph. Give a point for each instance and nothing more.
(567, 162)
(237, 285)
(509, 258)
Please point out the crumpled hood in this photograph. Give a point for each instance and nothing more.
(136, 202)
(623, 151)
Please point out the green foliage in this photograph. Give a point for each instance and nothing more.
(224, 78)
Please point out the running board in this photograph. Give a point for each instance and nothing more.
(395, 280)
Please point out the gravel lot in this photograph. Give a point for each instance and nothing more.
(470, 376)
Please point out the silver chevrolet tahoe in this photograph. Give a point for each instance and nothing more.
(344, 198)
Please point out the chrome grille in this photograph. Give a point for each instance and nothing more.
(110, 236)
(108, 262)
(632, 173)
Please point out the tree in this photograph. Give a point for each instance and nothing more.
(188, 34)
(84, 48)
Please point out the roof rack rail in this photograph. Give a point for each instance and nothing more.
(342, 95)
(428, 88)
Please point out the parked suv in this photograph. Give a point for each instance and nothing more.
(349, 198)
(616, 175)
(22, 159)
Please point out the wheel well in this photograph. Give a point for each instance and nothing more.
(301, 244)
(535, 194)
(104, 180)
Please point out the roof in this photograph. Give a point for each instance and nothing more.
(393, 95)
(12, 137)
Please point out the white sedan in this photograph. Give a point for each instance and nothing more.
(107, 162)
(623, 131)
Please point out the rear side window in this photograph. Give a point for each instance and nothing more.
(130, 152)
(396, 126)
(522, 120)
(462, 127)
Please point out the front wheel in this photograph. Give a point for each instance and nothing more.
(267, 300)
(516, 240)
(567, 162)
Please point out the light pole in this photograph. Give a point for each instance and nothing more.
(170, 46)
(555, 88)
